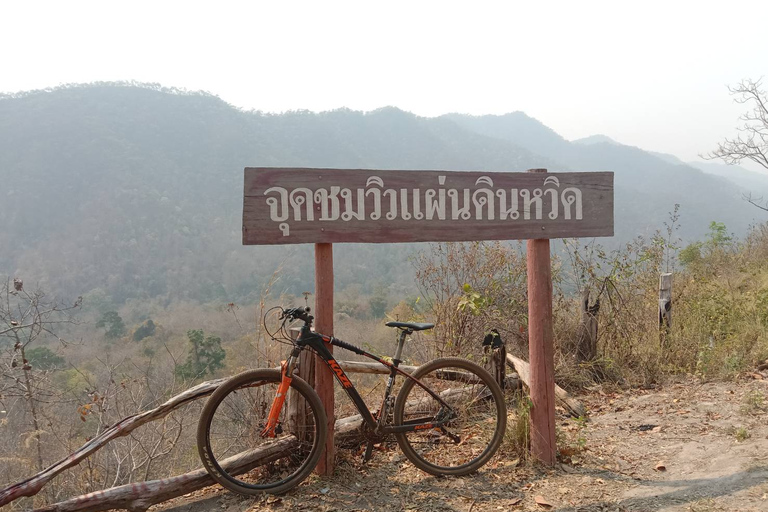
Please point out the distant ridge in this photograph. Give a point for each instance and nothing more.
(135, 192)
(596, 139)
(750, 181)
(648, 185)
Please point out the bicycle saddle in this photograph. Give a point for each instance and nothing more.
(410, 325)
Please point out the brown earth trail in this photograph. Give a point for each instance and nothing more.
(690, 446)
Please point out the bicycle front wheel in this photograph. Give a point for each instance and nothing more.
(229, 437)
(478, 417)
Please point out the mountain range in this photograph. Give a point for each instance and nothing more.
(134, 191)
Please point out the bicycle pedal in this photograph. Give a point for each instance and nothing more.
(368, 452)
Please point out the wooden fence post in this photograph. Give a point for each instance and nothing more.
(297, 407)
(496, 357)
(665, 306)
(587, 341)
(541, 352)
(324, 324)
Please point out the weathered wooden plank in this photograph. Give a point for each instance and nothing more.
(573, 406)
(32, 485)
(139, 496)
(293, 205)
(376, 368)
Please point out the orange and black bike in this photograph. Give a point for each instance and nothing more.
(264, 430)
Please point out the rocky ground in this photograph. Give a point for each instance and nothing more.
(686, 446)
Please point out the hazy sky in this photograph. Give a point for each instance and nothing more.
(650, 74)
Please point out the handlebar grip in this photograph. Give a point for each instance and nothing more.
(301, 313)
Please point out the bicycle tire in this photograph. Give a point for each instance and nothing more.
(231, 423)
(480, 422)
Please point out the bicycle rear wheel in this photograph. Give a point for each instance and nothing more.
(471, 437)
(229, 437)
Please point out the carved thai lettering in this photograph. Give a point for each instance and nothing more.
(508, 210)
(571, 196)
(462, 212)
(376, 193)
(417, 213)
(532, 199)
(404, 214)
(349, 210)
(392, 213)
(329, 203)
(554, 196)
(484, 198)
(302, 198)
(278, 209)
(435, 208)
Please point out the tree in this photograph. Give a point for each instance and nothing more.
(145, 330)
(752, 142)
(717, 239)
(113, 323)
(26, 317)
(378, 305)
(206, 356)
(44, 358)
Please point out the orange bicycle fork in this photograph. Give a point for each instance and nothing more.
(286, 370)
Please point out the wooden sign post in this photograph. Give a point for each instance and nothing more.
(541, 350)
(324, 324)
(326, 206)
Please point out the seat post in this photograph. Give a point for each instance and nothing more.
(400, 343)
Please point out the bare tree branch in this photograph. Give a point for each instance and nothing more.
(138, 497)
(751, 143)
(756, 201)
(32, 485)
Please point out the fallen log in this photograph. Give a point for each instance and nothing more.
(376, 368)
(138, 497)
(32, 485)
(366, 367)
(573, 406)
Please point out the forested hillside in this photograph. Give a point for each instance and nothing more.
(124, 191)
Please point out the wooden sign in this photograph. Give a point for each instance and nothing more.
(295, 206)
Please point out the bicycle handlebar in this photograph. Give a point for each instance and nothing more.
(300, 313)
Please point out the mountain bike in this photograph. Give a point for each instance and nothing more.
(264, 430)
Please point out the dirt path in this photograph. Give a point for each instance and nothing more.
(684, 447)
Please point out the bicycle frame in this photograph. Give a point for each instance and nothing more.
(316, 342)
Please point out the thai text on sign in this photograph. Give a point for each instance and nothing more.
(295, 205)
